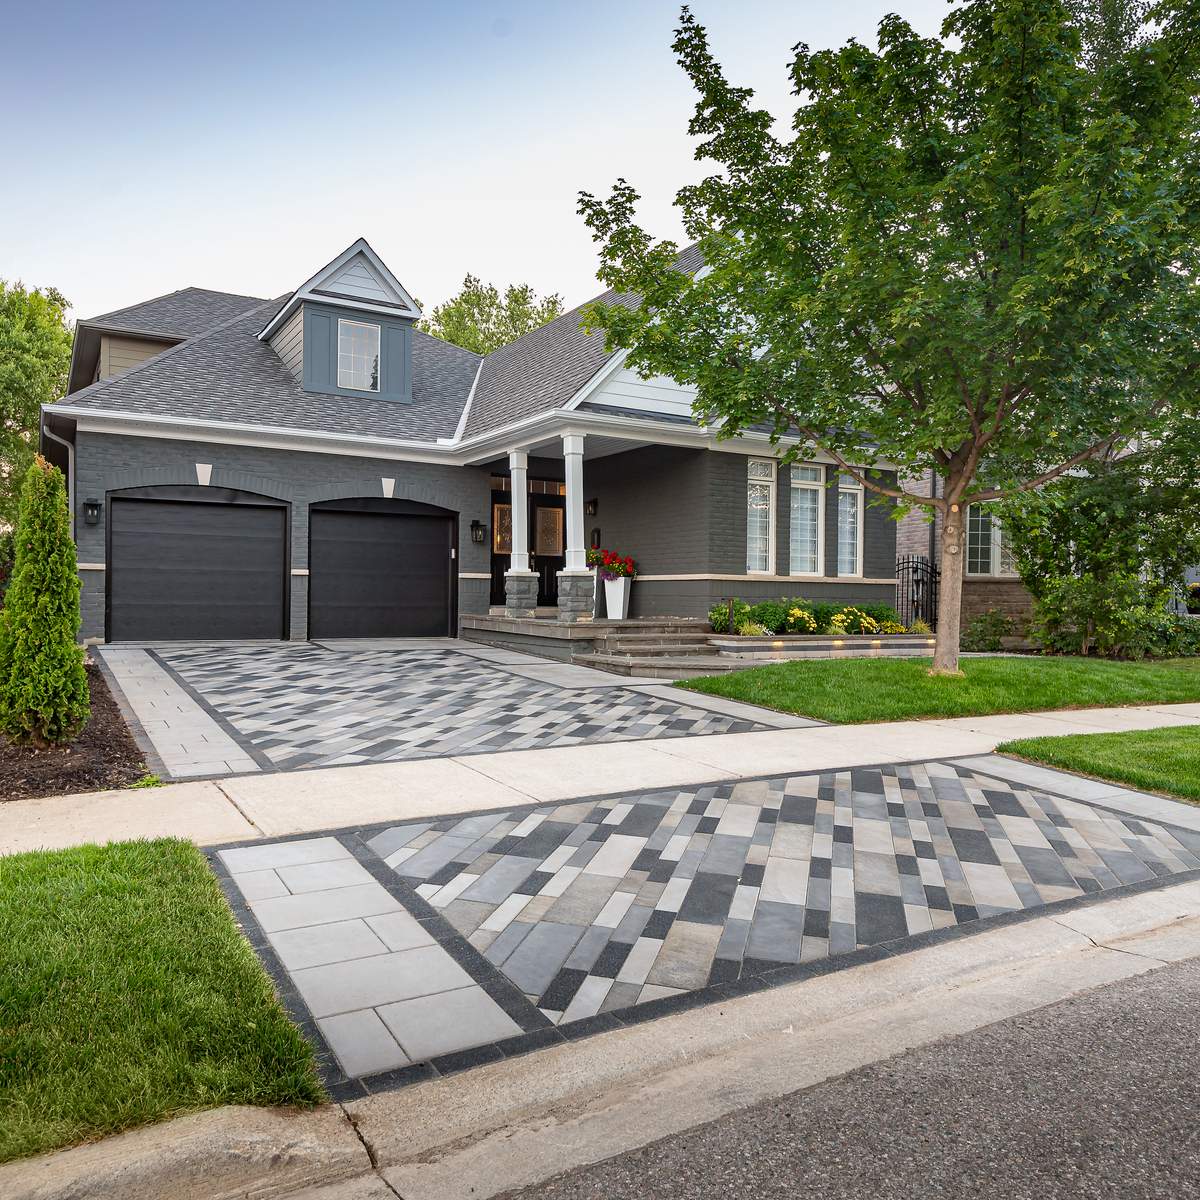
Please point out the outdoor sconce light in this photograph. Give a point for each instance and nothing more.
(91, 511)
(591, 507)
(478, 529)
(596, 538)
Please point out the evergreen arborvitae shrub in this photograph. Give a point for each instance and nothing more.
(43, 684)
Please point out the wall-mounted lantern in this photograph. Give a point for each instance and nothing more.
(591, 507)
(478, 532)
(595, 538)
(91, 511)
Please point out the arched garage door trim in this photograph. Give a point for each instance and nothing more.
(360, 582)
(275, 526)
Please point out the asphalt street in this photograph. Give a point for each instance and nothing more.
(1096, 1097)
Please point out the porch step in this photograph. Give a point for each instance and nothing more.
(659, 645)
(654, 667)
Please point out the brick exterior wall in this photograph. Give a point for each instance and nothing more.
(1010, 596)
(109, 462)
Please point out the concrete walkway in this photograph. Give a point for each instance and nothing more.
(274, 805)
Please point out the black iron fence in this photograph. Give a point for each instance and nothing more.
(917, 589)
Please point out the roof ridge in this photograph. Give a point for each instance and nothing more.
(191, 287)
(100, 384)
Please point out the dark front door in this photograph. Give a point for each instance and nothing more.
(546, 540)
(547, 544)
(195, 564)
(380, 571)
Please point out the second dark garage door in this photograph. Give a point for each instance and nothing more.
(380, 568)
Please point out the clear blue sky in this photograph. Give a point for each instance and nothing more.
(241, 145)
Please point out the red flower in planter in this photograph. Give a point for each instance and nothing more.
(616, 566)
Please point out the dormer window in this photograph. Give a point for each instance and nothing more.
(358, 356)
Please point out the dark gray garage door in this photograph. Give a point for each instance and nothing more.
(186, 569)
(380, 569)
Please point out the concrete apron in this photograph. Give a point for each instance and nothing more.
(519, 1121)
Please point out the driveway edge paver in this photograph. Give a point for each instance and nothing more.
(523, 1120)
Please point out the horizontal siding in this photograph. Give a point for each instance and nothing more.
(118, 354)
(357, 279)
(288, 343)
(626, 389)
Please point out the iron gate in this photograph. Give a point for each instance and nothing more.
(917, 589)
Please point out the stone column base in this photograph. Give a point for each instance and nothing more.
(520, 593)
(576, 595)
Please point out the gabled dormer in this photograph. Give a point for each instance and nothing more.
(348, 330)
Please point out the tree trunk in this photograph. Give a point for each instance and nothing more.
(949, 626)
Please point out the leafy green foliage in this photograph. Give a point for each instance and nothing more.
(718, 615)
(973, 254)
(479, 318)
(35, 353)
(818, 616)
(1119, 616)
(43, 685)
(987, 631)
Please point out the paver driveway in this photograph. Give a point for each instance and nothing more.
(220, 709)
(428, 946)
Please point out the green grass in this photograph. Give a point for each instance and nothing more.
(127, 995)
(1153, 760)
(852, 690)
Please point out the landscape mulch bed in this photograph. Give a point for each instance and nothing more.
(103, 756)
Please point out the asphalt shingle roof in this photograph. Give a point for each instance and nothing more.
(227, 374)
(223, 373)
(545, 368)
(185, 313)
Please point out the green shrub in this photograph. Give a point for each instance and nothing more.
(772, 614)
(718, 615)
(1120, 616)
(881, 614)
(920, 626)
(987, 631)
(751, 629)
(43, 685)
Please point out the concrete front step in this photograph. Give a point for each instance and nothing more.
(683, 667)
(668, 649)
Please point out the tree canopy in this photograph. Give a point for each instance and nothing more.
(973, 254)
(479, 318)
(35, 354)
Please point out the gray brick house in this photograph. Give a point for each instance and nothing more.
(315, 465)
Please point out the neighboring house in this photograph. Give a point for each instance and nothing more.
(315, 466)
(990, 579)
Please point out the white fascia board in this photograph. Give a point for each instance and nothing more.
(304, 291)
(466, 412)
(516, 436)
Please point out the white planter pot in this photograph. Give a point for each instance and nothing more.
(595, 591)
(616, 597)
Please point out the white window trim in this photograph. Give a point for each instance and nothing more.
(772, 484)
(849, 484)
(997, 556)
(338, 350)
(818, 486)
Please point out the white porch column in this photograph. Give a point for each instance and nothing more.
(520, 583)
(576, 584)
(573, 459)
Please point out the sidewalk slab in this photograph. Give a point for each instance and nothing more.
(334, 797)
(197, 811)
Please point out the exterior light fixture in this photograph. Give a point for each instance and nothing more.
(478, 530)
(91, 511)
(591, 507)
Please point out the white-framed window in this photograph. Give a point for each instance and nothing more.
(988, 551)
(849, 526)
(358, 355)
(806, 526)
(760, 516)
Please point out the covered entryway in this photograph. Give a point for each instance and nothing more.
(381, 568)
(190, 563)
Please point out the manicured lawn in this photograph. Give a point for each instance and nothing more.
(851, 690)
(127, 995)
(1153, 760)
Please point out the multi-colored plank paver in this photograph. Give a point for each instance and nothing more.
(492, 932)
(290, 705)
